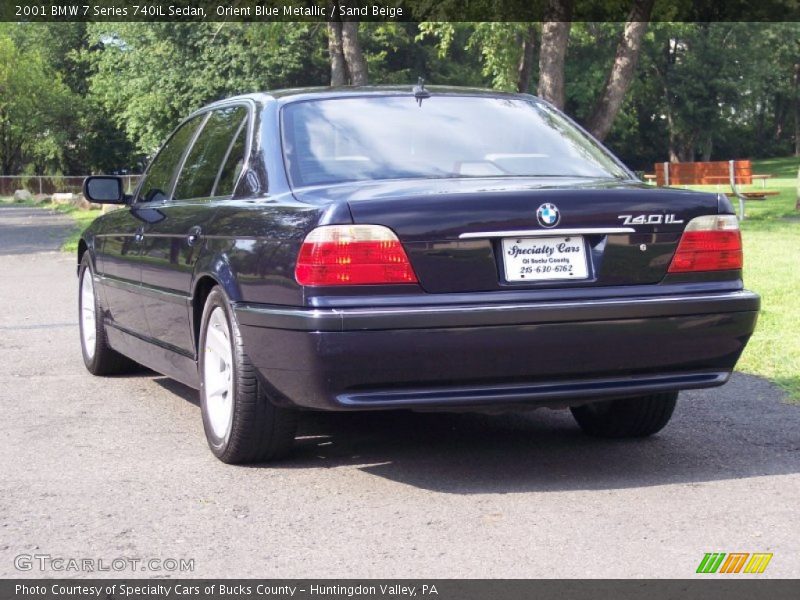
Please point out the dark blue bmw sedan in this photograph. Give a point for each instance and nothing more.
(386, 248)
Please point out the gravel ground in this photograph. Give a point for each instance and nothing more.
(103, 468)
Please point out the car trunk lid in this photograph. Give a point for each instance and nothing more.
(453, 229)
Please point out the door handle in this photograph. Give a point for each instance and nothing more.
(194, 235)
(139, 235)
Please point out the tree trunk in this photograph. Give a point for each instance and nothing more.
(760, 119)
(797, 109)
(622, 70)
(681, 146)
(5, 167)
(797, 204)
(356, 65)
(526, 60)
(338, 65)
(708, 146)
(348, 65)
(553, 53)
(687, 147)
(675, 141)
(674, 151)
(779, 117)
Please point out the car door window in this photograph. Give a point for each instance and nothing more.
(157, 183)
(209, 154)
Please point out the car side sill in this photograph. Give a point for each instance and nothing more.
(433, 317)
(163, 358)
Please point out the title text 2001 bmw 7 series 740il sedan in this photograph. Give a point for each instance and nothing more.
(385, 248)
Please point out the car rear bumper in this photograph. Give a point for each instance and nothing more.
(548, 353)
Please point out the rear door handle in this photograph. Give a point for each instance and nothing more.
(194, 235)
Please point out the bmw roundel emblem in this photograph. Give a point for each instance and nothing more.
(548, 215)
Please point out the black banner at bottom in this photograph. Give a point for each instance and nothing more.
(378, 589)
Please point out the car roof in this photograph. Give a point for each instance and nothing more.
(382, 90)
(318, 93)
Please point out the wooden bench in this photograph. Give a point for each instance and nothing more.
(732, 172)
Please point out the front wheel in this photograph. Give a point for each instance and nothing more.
(98, 356)
(242, 425)
(626, 417)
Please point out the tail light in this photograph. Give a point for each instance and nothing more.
(352, 255)
(709, 243)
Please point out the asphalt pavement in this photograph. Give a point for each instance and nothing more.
(109, 468)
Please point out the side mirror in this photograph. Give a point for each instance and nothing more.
(104, 189)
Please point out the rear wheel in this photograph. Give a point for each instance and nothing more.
(241, 423)
(626, 417)
(98, 356)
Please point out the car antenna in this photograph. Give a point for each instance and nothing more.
(420, 93)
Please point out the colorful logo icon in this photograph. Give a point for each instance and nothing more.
(548, 215)
(734, 562)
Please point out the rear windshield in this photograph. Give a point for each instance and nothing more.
(394, 137)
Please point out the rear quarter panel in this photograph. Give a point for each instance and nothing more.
(252, 246)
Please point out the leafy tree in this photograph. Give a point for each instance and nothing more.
(151, 75)
(397, 55)
(34, 105)
(769, 67)
(622, 70)
(505, 50)
(77, 97)
(721, 89)
(507, 54)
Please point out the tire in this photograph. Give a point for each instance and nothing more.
(98, 356)
(626, 417)
(241, 423)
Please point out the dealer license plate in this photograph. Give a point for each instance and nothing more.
(545, 258)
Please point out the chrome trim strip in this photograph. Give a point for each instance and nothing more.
(480, 315)
(145, 290)
(546, 232)
(483, 308)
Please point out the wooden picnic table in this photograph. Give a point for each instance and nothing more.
(763, 177)
(733, 173)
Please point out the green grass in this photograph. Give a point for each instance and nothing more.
(771, 234)
(83, 218)
(785, 168)
(771, 237)
(772, 268)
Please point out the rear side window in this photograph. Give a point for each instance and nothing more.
(232, 167)
(210, 155)
(158, 180)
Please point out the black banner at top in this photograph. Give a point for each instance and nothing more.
(259, 11)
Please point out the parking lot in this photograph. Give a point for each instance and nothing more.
(104, 468)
